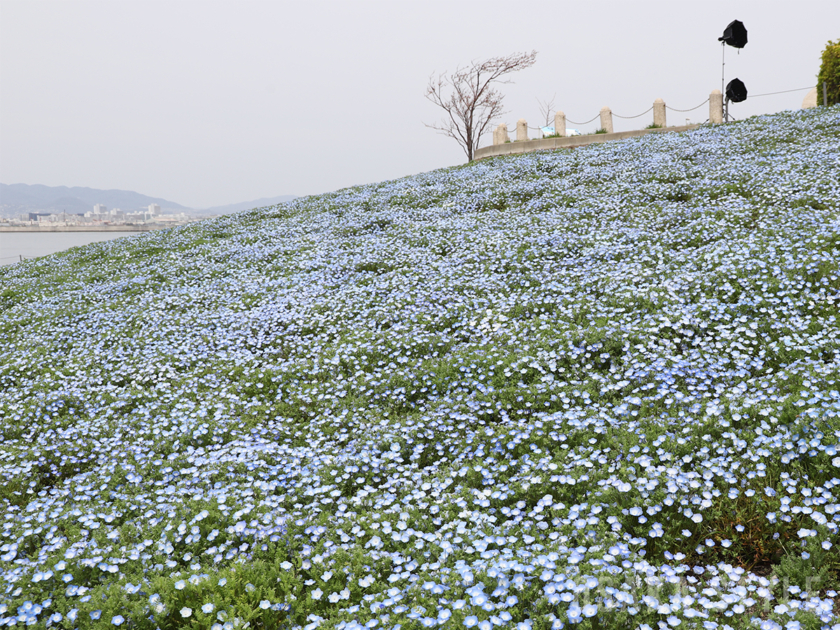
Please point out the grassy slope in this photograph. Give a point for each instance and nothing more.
(587, 387)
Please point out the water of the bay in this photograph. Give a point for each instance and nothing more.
(14, 245)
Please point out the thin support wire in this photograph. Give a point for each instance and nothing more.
(783, 92)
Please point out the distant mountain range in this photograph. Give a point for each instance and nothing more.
(19, 198)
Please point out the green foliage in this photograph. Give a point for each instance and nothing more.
(830, 73)
(809, 567)
(654, 126)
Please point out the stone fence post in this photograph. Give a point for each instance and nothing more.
(560, 124)
(521, 130)
(716, 107)
(659, 113)
(606, 119)
(500, 134)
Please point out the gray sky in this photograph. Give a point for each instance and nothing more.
(209, 103)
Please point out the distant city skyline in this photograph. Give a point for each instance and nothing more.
(18, 198)
(214, 103)
(100, 215)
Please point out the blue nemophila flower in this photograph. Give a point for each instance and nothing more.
(545, 375)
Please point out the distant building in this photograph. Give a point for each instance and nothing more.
(173, 218)
(135, 217)
(99, 209)
(154, 209)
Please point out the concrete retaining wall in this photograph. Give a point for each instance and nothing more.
(543, 144)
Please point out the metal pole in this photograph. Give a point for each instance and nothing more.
(722, 64)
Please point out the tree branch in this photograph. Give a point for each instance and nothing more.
(470, 101)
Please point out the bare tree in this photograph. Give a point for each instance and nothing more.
(469, 99)
(547, 110)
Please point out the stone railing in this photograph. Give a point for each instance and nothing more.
(715, 101)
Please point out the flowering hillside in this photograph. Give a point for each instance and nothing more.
(593, 388)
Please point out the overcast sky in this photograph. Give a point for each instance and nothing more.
(209, 103)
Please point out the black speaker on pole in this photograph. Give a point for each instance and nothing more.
(736, 91)
(734, 35)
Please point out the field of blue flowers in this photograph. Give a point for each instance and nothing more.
(592, 388)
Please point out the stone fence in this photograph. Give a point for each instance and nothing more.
(500, 134)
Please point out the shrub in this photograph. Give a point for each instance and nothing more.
(830, 73)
